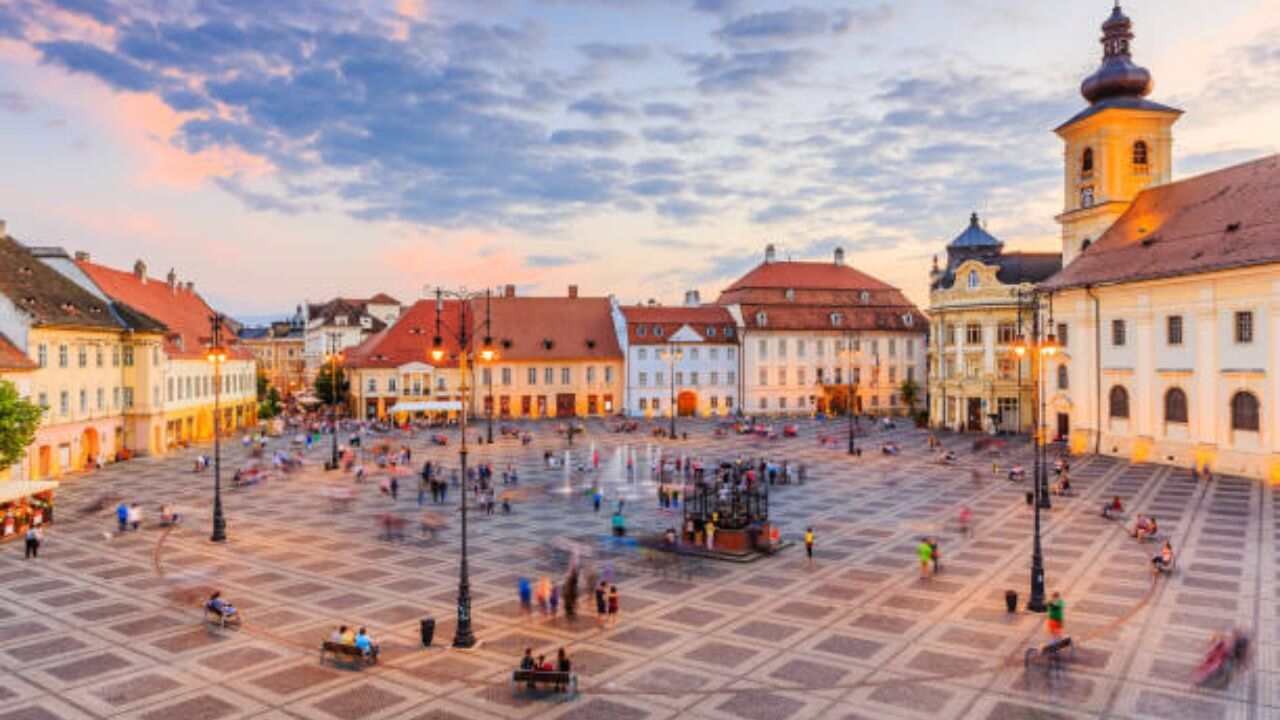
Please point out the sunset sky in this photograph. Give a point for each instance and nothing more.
(279, 151)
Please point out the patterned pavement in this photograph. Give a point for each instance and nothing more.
(99, 627)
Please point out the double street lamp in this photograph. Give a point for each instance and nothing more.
(334, 357)
(851, 390)
(1038, 346)
(217, 355)
(673, 354)
(467, 354)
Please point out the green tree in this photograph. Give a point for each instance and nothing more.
(910, 393)
(325, 387)
(263, 384)
(270, 406)
(19, 419)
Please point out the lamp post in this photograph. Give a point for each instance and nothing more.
(488, 315)
(217, 355)
(333, 358)
(673, 354)
(463, 636)
(1039, 346)
(850, 393)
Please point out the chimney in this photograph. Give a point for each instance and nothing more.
(140, 270)
(81, 255)
(692, 298)
(172, 277)
(191, 286)
(839, 256)
(509, 291)
(2, 228)
(573, 291)
(769, 253)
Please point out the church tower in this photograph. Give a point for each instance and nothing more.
(1116, 147)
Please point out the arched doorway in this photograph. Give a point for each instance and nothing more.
(89, 447)
(687, 403)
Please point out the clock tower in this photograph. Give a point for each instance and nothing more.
(1119, 145)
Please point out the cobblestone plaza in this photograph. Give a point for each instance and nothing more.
(100, 625)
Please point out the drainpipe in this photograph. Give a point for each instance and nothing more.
(1097, 369)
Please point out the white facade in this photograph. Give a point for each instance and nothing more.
(784, 371)
(1177, 335)
(703, 373)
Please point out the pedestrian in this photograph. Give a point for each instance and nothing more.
(613, 605)
(966, 516)
(709, 531)
(135, 517)
(571, 594)
(122, 516)
(925, 551)
(395, 488)
(935, 555)
(808, 545)
(596, 498)
(543, 594)
(33, 542)
(1057, 614)
(554, 600)
(601, 606)
(525, 590)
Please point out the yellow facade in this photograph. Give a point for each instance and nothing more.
(281, 360)
(1102, 169)
(189, 399)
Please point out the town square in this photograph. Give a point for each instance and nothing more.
(631, 359)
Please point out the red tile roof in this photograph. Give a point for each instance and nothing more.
(672, 318)
(809, 275)
(1220, 220)
(818, 318)
(11, 358)
(410, 339)
(44, 294)
(382, 299)
(184, 313)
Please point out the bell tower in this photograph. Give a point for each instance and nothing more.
(1119, 145)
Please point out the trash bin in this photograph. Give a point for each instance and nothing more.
(1031, 498)
(1010, 601)
(428, 630)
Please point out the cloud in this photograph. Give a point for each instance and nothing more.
(553, 261)
(594, 139)
(658, 166)
(598, 106)
(14, 102)
(100, 10)
(716, 6)
(261, 202)
(614, 52)
(668, 110)
(754, 71)
(656, 187)
(672, 135)
(681, 209)
(118, 72)
(1212, 160)
(773, 26)
(778, 212)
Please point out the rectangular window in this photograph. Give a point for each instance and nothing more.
(128, 355)
(591, 374)
(564, 376)
(1062, 334)
(642, 379)
(800, 376)
(973, 334)
(951, 335)
(373, 385)
(102, 399)
(764, 377)
(1006, 333)
(1006, 368)
(127, 394)
(64, 402)
(506, 376)
(62, 356)
(820, 347)
(608, 376)
(715, 402)
(911, 374)
(893, 347)
(169, 390)
(657, 404)
(679, 378)
(782, 347)
(782, 376)
(486, 376)
(98, 355)
(115, 356)
(642, 354)
(800, 348)
(857, 376)
(782, 403)
(155, 356)
(1117, 333)
(763, 404)
(893, 374)
(714, 353)
(548, 376)
(1173, 330)
(693, 353)
(533, 376)
(730, 378)
(526, 405)
(875, 401)
(644, 403)
(42, 355)
(693, 378)
(84, 401)
(659, 378)
(728, 402)
(715, 378)
(1244, 327)
(82, 355)
(731, 353)
(43, 401)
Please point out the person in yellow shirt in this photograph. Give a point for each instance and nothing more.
(808, 545)
(348, 637)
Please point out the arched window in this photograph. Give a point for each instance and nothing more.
(1175, 406)
(973, 279)
(1119, 402)
(1086, 161)
(1063, 381)
(1140, 154)
(1244, 411)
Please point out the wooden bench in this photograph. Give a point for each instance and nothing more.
(1051, 652)
(347, 653)
(532, 678)
(219, 618)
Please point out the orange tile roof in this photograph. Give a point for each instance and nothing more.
(184, 313)
(1223, 219)
(672, 318)
(809, 275)
(11, 358)
(410, 339)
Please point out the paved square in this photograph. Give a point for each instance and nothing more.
(108, 625)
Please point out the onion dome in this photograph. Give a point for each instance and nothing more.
(1118, 76)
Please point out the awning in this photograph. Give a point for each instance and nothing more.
(11, 491)
(425, 406)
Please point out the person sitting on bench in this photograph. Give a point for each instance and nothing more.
(1063, 486)
(1163, 561)
(1144, 528)
(1112, 508)
(218, 605)
(562, 665)
(366, 645)
(949, 456)
(169, 516)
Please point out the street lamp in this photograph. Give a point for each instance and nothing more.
(1039, 346)
(334, 357)
(850, 393)
(217, 355)
(673, 354)
(463, 636)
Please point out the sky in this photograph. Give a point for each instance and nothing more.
(292, 150)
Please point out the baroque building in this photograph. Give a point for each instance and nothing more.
(976, 313)
(1168, 309)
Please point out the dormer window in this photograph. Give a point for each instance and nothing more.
(837, 319)
(790, 294)
(340, 320)
(762, 318)
(1086, 197)
(865, 297)
(728, 331)
(908, 319)
(657, 330)
(973, 279)
(366, 322)
(1086, 162)
(641, 330)
(711, 331)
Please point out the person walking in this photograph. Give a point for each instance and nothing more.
(135, 517)
(808, 545)
(596, 498)
(709, 531)
(33, 542)
(395, 488)
(571, 594)
(613, 605)
(122, 516)
(935, 555)
(601, 606)
(525, 590)
(1057, 614)
(925, 552)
